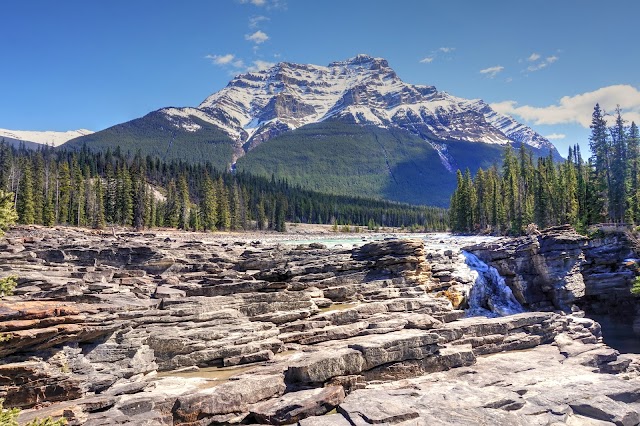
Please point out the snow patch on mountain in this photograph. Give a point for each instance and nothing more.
(257, 106)
(50, 138)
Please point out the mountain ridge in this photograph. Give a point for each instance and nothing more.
(350, 128)
(257, 106)
(35, 138)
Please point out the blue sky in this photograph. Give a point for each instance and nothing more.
(84, 64)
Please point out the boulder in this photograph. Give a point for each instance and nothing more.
(294, 406)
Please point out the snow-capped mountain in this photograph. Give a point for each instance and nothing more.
(350, 128)
(50, 138)
(257, 106)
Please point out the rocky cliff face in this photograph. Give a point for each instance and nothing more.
(258, 106)
(559, 268)
(150, 329)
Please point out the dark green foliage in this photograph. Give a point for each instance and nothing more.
(26, 207)
(7, 285)
(154, 136)
(635, 288)
(606, 189)
(94, 189)
(346, 159)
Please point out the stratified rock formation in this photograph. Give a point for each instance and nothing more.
(559, 268)
(145, 329)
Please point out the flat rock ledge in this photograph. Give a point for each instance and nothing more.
(154, 329)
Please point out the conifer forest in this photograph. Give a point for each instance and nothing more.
(95, 189)
(604, 188)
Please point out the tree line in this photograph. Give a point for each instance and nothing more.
(94, 189)
(604, 188)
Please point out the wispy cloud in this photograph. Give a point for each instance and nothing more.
(254, 2)
(534, 57)
(578, 109)
(260, 65)
(269, 4)
(228, 60)
(556, 136)
(538, 63)
(537, 67)
(441, 51)
(258, 37)
(492, 71)
(255, 21)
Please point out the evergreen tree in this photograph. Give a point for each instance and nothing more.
(172, 207)
(110, 195)
(601, 161)
(235, 207)
(617, 189)
(98, 221)
(8, 215)
(25, 205)
(209, 205)
(184, 203)
(63, 193)
(224, 213)
(38, 187)
(261, 216)
(633, 153)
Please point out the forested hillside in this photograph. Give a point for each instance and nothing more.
(347, 159)
(152, 135)
(604, 188)
(88, 188)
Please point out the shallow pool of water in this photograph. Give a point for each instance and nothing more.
(217, 374)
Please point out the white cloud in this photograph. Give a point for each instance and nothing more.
(447, 49)
(221, 59)
(492, 71)
(578, 109)
(259, 65)
(534, 57)
(427, 60)
(258, 37)
(556, 136)
(537, 67)
(269, 4)
(538, 64)
(254, 2)
(226, 60)
(254, 21)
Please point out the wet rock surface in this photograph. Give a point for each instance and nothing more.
(149, 329)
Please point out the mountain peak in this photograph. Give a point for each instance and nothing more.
(48, 137)
(363, 61)
(258, 106)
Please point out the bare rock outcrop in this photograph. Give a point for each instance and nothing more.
(149, 329)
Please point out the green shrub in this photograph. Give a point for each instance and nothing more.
(635, 288)
(9, 417)
(8, 215)
(7, 285)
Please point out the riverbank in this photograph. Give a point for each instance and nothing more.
(182, 329)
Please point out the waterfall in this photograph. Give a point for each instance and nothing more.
(489, 296)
